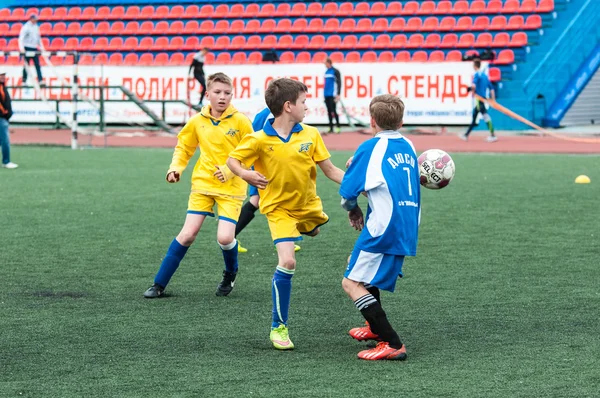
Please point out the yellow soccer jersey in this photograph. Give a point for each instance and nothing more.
(216, 139)
(289, 165)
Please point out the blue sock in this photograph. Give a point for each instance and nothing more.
(230, 255)
(282, 292)
(170, 263)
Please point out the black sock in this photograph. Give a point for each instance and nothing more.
(246, 215)
(371, 309)
(330, 122)
(337, 120)
(374, 291)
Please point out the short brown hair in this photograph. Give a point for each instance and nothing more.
(388, 111)
(218, 77)
(281, 91)
(477, 63)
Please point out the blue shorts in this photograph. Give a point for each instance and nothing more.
(253, 191)
(377, 269)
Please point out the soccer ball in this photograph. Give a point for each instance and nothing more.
(436, 168)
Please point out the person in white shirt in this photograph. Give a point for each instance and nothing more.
(31, 40)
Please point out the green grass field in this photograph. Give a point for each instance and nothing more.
(502, 300)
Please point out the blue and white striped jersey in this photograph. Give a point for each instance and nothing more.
(386, 168)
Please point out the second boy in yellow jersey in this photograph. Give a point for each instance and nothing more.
(285, 155)
(216, 130)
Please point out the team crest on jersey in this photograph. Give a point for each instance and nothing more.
(232, 132)
(304, 147)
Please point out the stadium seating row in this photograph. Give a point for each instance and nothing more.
(317, 25)
(281, 10)
(317, 42)
(161, 59)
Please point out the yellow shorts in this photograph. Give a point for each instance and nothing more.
(228, 207)
(288, 226)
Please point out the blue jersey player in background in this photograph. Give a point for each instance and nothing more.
(481, 86)
(385, 168)
(250, 207)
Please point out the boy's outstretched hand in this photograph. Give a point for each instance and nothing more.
(172, 177)
(355, 216)
(253, 177)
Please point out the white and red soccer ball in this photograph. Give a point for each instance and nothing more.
(436, 168)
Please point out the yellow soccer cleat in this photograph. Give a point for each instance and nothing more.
(281, 339)
(241, 249)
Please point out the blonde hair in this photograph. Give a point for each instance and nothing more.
(218, 77)
(388, 111)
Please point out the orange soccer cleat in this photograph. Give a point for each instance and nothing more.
(383, 351)
(363, 333)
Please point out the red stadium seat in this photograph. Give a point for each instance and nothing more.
(161, 59)
(267, 26)
(100, 44)
(4, 14)
(316, 10)
(384, 41)
(518, 39)
(131, 44)
(495, 75)
(223, 58)
(146, 12)
(117, 12)
(427, 8)
(74, 14)
(300, 42)
(283, 26)
(300, 25)
(251, 10)
(236, 27)
(477, 7)
(437, 56)
(432, 41)
(252, 26)
(13, 45)
(353, 56)
(237, 11)
(131, 59)
(393, 8)
(377, 9)
(415, 41)
(361, 9)
(365, 42)
(15, 29)
(237, 43)
(410, 8)
(132, 28)
(45, 29)
(447, 24)
(333, 42)
(146, 44)
(403, 56)
(286, 57)
(516, 22)
(146, 59)
(533, 22)
(349, 42)
(101, 29)
(268, 42)
(161, 27)
(494, 7)
(58, 44)
(175, 44)
(511, 6)
(454, 56)
(319, 56)
(86, 44)
(303, 57)
(176, 28)
(316, 42)
(85, 60)
(115, 59)
(206, 27)
(449, 41)
(115, 44)
(380, 25)
(266, 11)
(146, 28)
(386, 56)
(253, 42)
(133, 12)
(464, 24)
(59, 14)
(397, 25)
(443, 8)
(506, 57)
(363, 25)
(4, 29)
(283, 10)
(498, 23)
(207, 11)
(528, 6)
(430, 25)
(162, 12)
(466, 41)
(345, 9)
(368, 56)
(501, 40)
(460, 7)
(285, 42)
(44, 15)
(545, 6)
(191, 27)
(192, 43)
(254, 57)
(221, 11)
(331, 25)
(116, 28)
(17, 14)
(160, 44)
(481, 23)
(224, 42)
(337, 56)
(484, 40)
(399, 41)
(348, 25)
(100, 59)
(419, 56)
(176, 12)
(71, 44)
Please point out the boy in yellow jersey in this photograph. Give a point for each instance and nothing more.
(285, 155)
(216, 130)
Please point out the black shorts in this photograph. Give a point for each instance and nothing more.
(330, 104)
(479, 108)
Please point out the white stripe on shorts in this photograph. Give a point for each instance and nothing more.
(366, 267)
